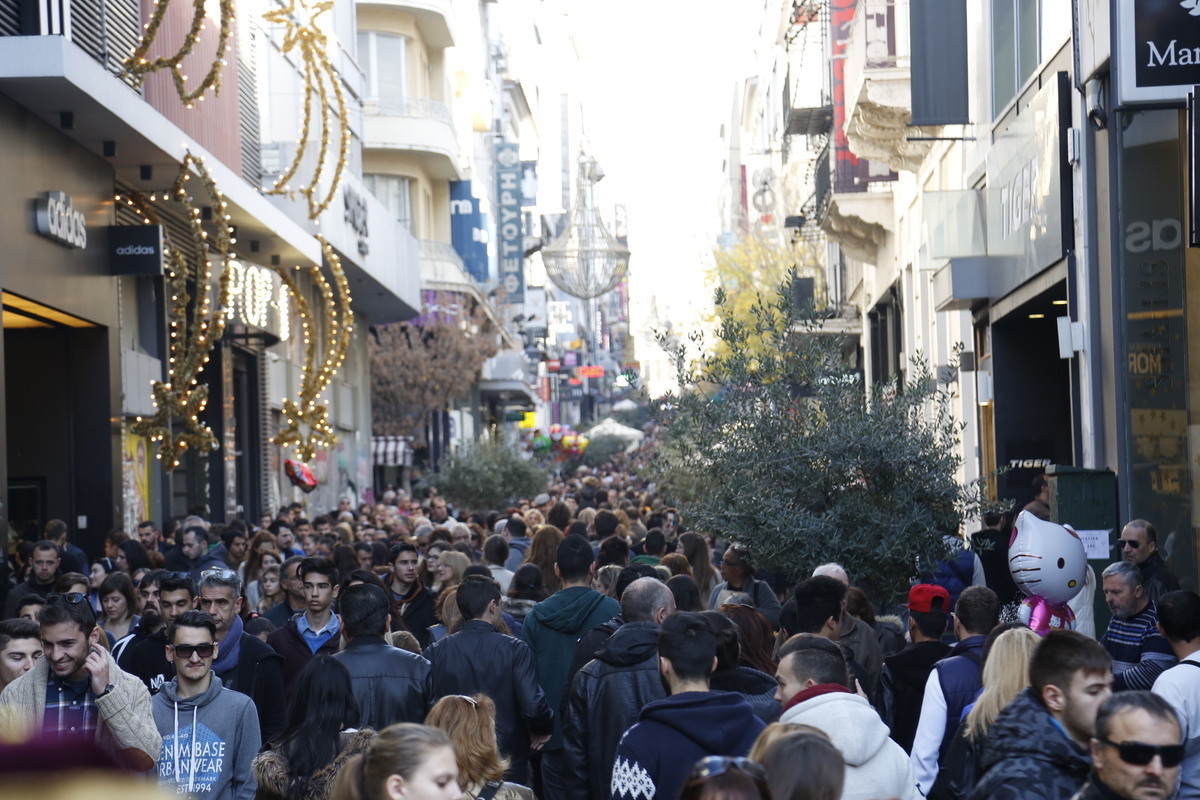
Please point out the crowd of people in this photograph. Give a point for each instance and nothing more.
(582, 643)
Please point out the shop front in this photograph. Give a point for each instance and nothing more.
(60, 361)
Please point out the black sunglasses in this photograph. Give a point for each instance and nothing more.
(1140, 754)
(710, 766)
(74, 598)
(185, 651)
(1132, 544)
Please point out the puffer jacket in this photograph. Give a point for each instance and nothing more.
(605, 699)
(757, 687)
(272, 774)
(1026, 756)
(875, 765)
(479, 659)
(391, 685)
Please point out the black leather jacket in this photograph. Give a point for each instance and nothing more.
(1157, 577)
(605, 699)
(391, 685)
(259, 675)
(480, 659)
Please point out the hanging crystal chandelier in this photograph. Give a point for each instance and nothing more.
(586, 261)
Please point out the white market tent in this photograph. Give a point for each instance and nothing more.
(610, 427)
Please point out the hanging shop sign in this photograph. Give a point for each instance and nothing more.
(1029, 195)
(467, 233)
(56, 218)
(1158, 50)
(136, 249)
(355, 215)
(512, 239)
(258, 299)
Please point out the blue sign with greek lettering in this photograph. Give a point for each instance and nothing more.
(467, 233)
(509, 225)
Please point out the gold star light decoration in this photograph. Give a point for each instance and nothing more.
(196, 322)
(307, 426)
(139, 64)
(322, 87)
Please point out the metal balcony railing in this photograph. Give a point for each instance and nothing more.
(415, 107)
(107, 30)
(440, 251)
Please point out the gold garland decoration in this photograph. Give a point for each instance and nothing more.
(139, 65)
(307, 418)
(196, 325)
(320, 80)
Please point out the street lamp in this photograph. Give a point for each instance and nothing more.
(586, 261)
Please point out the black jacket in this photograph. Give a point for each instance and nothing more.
(417, 610)
(1157, 577)
(479, 659)
(1094, 789)
(391, 685)
(757, 687)
(588, 646)
(1026, 756)
(902, 688)
(605, 699)
(145, 656)
(259, 676)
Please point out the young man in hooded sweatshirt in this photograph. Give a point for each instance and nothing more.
(813, 678)
(209, 733)
(655, 756)
(552, 629)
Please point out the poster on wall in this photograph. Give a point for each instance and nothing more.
(135, 470)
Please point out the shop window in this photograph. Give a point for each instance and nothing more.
(395, 192)
(384, 59)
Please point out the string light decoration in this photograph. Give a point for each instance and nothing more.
(138, 65)
(196, 322)
(320, 82)
(307, 419)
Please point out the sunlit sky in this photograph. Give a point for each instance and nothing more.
(657, 84)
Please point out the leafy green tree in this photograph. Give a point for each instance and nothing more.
(487, 474)
(775, 444)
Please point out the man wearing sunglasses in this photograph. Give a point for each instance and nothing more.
(1139, 545)
(209, 733)
(1136, 751)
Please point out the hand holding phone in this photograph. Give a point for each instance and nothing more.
(96, 665)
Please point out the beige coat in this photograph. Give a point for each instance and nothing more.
(126, 721)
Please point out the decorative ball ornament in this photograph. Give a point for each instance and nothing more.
(300, 475)
(321, 81)
(1049, 564)
(138, 65)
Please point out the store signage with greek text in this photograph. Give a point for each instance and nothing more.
(1158, 49)
(512, 238)
(56, 218)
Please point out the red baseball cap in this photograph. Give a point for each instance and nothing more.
(926, 597)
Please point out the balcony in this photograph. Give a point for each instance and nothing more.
(852, 208)
(419, 126)
(435, 18)
(442, 268)
(878, 87)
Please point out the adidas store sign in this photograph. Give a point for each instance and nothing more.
(58, 220)
(135, 249)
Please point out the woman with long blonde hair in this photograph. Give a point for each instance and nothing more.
(470, 722)
(1005, 675)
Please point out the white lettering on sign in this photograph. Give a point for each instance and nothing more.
(1170, 57)
(1029, 463)
(1158, 234)
(57, 219)
(1019, 198)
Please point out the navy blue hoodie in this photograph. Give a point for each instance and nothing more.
(656, 755)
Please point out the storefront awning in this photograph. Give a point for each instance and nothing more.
(391, 451)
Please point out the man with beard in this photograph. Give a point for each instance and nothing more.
(45, 563)
(143, 652)
(1136, 751)
(77, 690)
(1138, 650)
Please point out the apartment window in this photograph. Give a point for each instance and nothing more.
(395, 192)
(1024, 34)
(384, 59)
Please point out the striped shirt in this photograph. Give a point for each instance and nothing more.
(1138, 651)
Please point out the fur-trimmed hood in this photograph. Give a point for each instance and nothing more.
(271, 771)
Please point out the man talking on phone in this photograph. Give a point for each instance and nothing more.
(76, 689)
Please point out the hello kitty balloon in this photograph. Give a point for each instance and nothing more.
(1048, 563)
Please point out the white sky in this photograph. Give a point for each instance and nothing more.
(658, 78)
